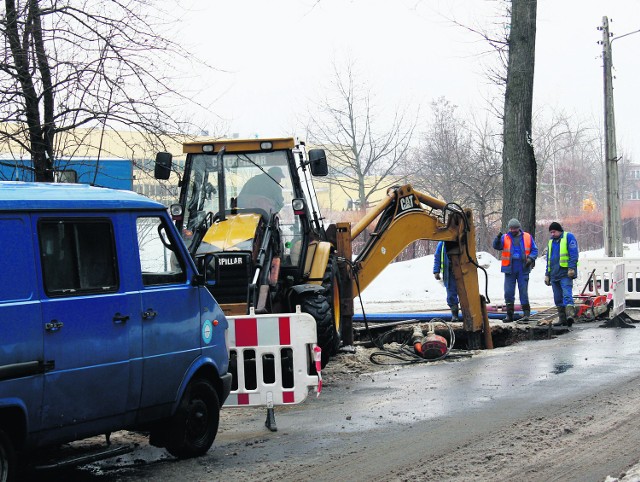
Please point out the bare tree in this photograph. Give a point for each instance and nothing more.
(362, 156)
(568, 154)
(68, 64)
(444, 150)
(460, 163)
(519, 164)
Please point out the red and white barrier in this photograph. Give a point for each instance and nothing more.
(607, 281)
(271, 359)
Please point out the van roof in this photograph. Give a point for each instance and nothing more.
(29, 196)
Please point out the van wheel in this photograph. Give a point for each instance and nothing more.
(7, 458)
(194, 426)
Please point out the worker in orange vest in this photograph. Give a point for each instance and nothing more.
(519, 253)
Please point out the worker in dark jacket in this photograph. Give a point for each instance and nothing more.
(263, 191)
(442, 264)
(519, 253)
(562, 269)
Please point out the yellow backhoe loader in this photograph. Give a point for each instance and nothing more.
(250, 216)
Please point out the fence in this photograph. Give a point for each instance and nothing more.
(604, 277)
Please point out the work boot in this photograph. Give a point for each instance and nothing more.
(570, 310)
(562, 317)
(455, 310)
(510, 310)
(526, 313)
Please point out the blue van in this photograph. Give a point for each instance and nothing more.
(105, 324)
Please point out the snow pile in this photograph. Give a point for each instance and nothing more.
(410, 285)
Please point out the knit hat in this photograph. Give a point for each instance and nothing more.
(554, 226)
(513, 223)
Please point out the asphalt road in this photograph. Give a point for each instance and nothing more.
(560, 409)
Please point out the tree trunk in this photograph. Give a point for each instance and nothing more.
(40, 139)
(518, 159)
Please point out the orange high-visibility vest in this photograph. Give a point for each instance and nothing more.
(506, 247)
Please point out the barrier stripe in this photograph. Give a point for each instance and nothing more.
(284, 329)
(268, 332)
(246, 332)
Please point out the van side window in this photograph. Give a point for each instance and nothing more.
(158, 260)
(78, 256)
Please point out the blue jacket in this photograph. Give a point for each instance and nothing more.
(554, 270)
(440, 264)
(498, 243)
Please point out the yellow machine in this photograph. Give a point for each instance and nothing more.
(249, 214)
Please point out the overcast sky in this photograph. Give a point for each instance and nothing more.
(276, 57)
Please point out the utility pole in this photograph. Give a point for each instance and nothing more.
(612, 220)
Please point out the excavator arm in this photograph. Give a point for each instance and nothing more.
(405, 216)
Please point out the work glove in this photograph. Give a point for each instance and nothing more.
(571, 273)
(547, 280)
(529, 263)
(437, 276)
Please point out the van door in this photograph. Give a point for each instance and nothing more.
(87, 321)
(21, 357)
(170, 312)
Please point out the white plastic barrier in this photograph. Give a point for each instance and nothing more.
(272, 356)
(618, 289)
(604, 276)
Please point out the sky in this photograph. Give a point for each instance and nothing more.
(275, 60)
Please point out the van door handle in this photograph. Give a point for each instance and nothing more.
(53, 325)
(118, 318)
(148, 314)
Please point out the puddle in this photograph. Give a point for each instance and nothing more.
(559, 368)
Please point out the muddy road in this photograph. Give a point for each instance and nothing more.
(564, 409)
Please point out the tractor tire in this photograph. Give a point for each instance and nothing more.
(331, 285)
(317, 305)
(194, 426)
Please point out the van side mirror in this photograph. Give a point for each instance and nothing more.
(206, 273)
(318, 162)
(162, 168)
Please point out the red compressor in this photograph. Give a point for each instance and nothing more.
(430, 347)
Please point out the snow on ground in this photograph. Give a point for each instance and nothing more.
(410, 286)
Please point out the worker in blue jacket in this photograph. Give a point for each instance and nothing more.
(562, 269)
(442, 264)
(519, 253)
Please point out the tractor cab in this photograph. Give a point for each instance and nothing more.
(249, 205)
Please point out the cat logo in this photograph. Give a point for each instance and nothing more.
(406, 203)
(230, 261)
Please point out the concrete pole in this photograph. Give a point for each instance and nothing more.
(612, 219)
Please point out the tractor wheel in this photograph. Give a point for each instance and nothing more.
(317, 305)
(331, 285)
